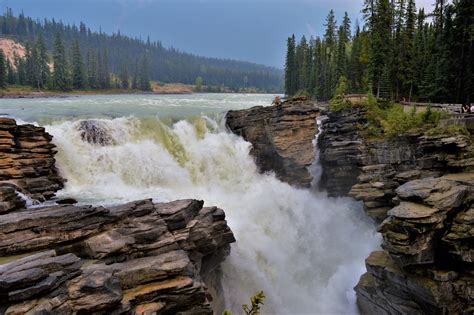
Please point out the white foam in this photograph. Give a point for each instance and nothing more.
(305, 250)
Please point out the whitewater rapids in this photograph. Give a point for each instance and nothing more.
(304, 250)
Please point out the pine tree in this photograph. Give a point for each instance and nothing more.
(398, 70)
(330, 33)
(330, 61)
(135, 76)
(43, 67)
(20, 64)
(344, 36)
(79, 80)
(198, 83)
(307, 67)
(103, 70)
(384, 85)
(124, 77)
(316, 68)
(144, 78)
(381, 45)
(92, 76)
(398, 53)
(420, 55)
(301, 64)
(12, 76)
(463, 51)
(61, 72)
(410, 55)
(3, 71)
(290, 67)
(30, 77)
(34, 69)
(369, 13)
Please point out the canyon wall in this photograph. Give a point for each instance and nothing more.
(27, 164)
(281, 136)
(419, 188)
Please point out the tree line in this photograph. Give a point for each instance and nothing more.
(64, 70)
(123, 56)
(400, 53)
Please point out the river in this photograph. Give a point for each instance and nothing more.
(305, 250)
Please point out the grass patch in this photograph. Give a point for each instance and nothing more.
(388, 119)
(448, 130)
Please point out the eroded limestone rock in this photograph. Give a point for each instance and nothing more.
(136, 258)
(427, 266)
(281, 137)
(26, 163)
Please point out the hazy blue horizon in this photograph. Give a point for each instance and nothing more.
(247, 30)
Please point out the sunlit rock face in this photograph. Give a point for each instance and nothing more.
(281, 136)
(27, 164)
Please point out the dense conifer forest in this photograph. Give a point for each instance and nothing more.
(399, 53)
(63, 57)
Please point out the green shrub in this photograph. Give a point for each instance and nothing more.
(397, 121)
(338, 102)
(302, 93)
(256, 303)
(391, 119)
(448, 130)
(432, 116)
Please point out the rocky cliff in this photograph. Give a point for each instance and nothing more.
(281, 136)
(427, 266)
(371, 169)
(27, 164)
(418, 187)
(421, 189)
(137, 258)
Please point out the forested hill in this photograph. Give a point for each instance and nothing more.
(123, 53)
(401, 52)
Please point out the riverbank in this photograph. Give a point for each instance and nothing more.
(14, 92)
(29, 92)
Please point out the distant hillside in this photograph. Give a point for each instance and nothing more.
(11, 48)
(165, 64)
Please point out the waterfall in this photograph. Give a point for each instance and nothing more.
(304, 250)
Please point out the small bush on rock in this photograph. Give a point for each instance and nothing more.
(256, 303)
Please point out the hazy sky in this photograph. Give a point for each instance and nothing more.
(252, 30)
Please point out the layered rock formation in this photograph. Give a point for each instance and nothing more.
(428, 263)
(281, 137)
(137, 258)
(371, 170)
(340, 148)
(419, 187)
(422, 188)
(26, 164)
